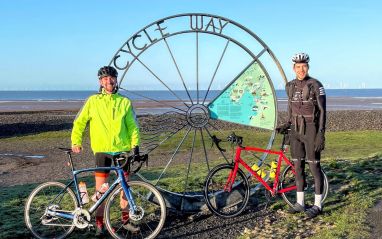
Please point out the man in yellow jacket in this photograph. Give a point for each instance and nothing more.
(113, 129)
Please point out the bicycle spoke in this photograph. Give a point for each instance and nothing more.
(172, 92)
(197, 67)
(148, 98)
(238, 75)
(56, 197)
(215, 128)
(168, 137)
(204, 149)
(177, 68)
(216, 69)
(173, 156)
(189, 163)
(148, 216)
(223, 202)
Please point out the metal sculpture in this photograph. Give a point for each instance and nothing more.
(212, 70)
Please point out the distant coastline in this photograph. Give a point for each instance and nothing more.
(161, 94)
(156, 102)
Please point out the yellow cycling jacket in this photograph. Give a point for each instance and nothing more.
(113, 126)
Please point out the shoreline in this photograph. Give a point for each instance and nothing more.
(34, 122)
(157, 107)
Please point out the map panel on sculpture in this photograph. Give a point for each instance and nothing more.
(248, 100)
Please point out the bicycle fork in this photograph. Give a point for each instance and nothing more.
(231, 178)
(135, 212)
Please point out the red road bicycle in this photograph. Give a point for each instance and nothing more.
(227, 189)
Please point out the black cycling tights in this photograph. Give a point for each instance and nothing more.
(315, 168)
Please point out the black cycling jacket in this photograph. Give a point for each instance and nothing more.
(306, 103)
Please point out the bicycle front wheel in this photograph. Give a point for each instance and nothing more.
(148, 219)
(288, 179)
(228, 202)
(52, 196)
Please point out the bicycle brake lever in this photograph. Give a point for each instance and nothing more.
(217, 141)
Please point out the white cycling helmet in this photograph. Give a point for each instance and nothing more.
(300, 58)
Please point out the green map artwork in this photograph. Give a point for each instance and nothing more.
(249, 100)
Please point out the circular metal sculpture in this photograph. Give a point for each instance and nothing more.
(202, 75)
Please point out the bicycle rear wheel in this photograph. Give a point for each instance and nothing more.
(150, 215)
(288, 180)
(53, 196)
(225, 203)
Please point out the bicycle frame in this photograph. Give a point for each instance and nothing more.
(238, 160)
(120, 179)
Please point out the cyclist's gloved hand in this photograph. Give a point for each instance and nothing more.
(319, 143)
(283, 128)
(136, 153)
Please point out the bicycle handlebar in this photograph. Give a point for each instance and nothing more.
(140, 159)
(217, 141)
(238, 140)
(129, 159)
(235, 139)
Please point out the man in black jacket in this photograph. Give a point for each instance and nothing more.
(306, 121)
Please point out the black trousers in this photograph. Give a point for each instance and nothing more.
(302, 149)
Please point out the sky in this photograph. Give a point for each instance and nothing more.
(59, 45)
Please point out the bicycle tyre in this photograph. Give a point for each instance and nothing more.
(288, 180)
(38, 201)
(153, 206)
(226, 204)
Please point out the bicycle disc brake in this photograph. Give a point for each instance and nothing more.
(81, 218)
(137, 215)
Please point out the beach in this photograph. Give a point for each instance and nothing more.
(37, 121)
(153, 107)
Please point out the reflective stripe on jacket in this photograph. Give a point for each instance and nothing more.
(112, 122)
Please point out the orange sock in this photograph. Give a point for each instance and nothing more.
(99, 221)
(125, 217)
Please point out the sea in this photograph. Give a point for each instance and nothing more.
(337, 99)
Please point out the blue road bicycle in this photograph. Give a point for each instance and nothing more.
(54, 209)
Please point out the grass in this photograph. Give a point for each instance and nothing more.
(355, 187)
(352, 160)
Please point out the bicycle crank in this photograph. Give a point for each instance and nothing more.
(81, 218)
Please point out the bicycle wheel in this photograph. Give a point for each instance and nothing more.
(288, 180)
(53, 196)
(225, 203)
(150, 215)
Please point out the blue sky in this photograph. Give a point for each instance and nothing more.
(59, 45)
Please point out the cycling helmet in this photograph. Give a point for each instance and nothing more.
(107, 71)
(300, 58)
